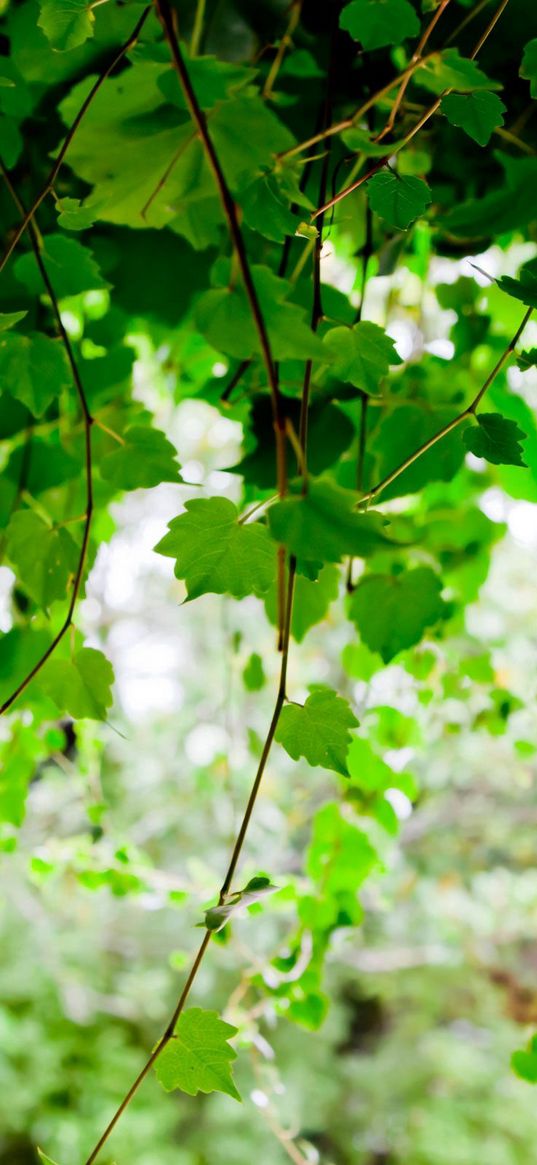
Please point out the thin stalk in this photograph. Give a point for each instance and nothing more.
(230, 211)
(296, 8)
(197, 31)
(416, 60)
(49, 183)
(466, 413)
(398, 146)
(348, 122)
(241, 836)
(168, 1032)
(88, 421)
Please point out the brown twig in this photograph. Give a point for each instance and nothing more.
(466, 414)
(88, 421)
(226, 884)
(415, 60)
(296, 8)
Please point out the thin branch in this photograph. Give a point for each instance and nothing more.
(471, 15)
(349, 122)
(49, 183)
(197, 30)
(416, 60)
(230, 211)
(466, 413)
(88, 421)
(235, 855)
(241, 836)
(364, 177)
(236, 378)
(398, 146)
(286, 41)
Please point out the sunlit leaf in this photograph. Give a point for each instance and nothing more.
(214, 552)
(197, 1058)
(318, 730)
(392, 611)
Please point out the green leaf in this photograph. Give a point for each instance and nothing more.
(144, 460)
(73, 216)
(524, 289)
(43, 557)
(224, 317)
(216, 554)
(66, 23)
(340, 857)
(318, 730)
(197, 1058)
(253, 675)
(312, 600)
(527, 359)
(81, 686)
(371, 778)
(479, 114)
(324, 524)
(376, 23)
(8, 319)
(70, 266)
(130, 118)
(398, 199)
(448, 70)
(496, 439)
(11, 141)
(212, 80)
(361, 355)
(45, 1160)
(35, 367)
(217, 916)
(357, 139)
(528, 68)
(524, 1062)
(392, 611)
(266, 211)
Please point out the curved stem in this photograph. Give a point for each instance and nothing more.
(235, 855)
(468, 412)
(88, 421)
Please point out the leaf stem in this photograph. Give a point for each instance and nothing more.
(235, 855)
(230, 211)
(432, 109)
(197, 30)
(286, 40)
(88, 422)
(416, 60)
(468, 412)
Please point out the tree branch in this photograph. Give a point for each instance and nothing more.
(88, 421)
